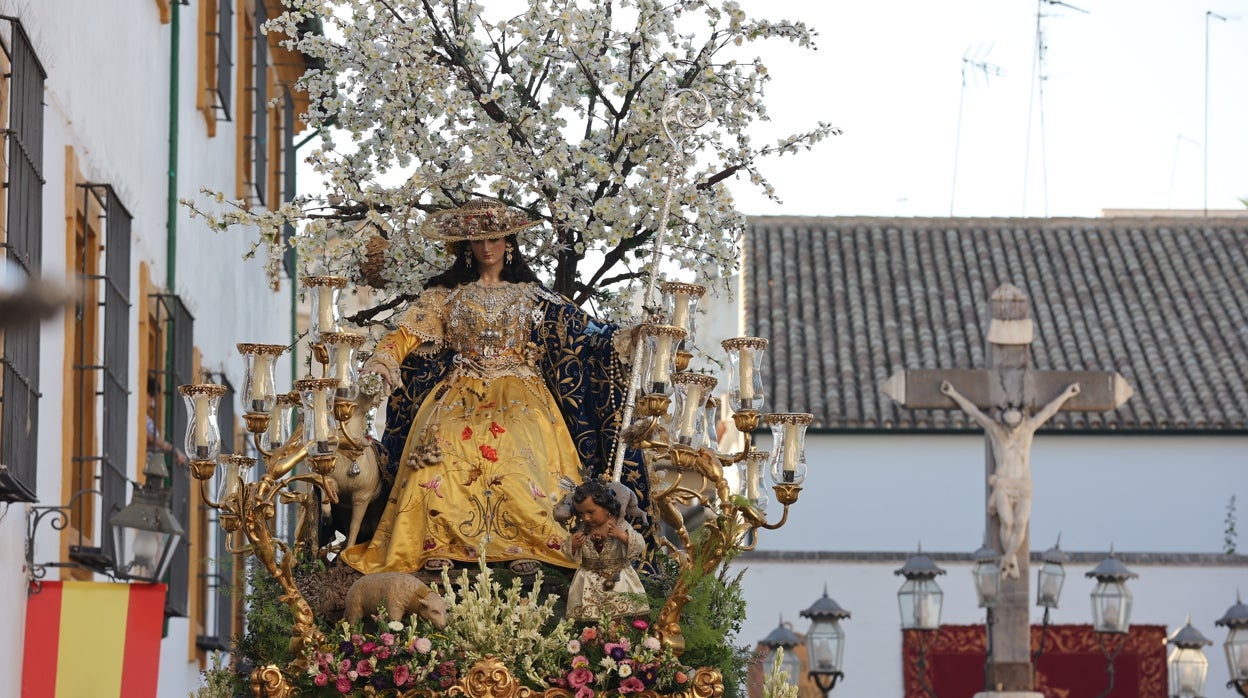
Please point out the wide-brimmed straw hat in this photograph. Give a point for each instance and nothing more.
(479, 219)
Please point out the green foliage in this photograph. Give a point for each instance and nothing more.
(1230, 535)
(219, 681)
(710, 620)
(269, 620)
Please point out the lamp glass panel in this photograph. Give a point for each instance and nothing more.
(987, 583)
(920, 602)
(1236, 646)
(1188, 670)
(825, 645)
(1111, 607)
(1049, 584)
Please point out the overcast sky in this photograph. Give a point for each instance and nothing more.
(1123, 123)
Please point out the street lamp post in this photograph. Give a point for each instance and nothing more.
(919, 601)
(1111, 609)
(825, 642)
(1049, 581)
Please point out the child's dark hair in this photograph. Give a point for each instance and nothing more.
(602, 495)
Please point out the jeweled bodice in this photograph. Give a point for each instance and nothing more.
(488, 327)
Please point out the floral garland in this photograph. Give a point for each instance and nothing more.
(612, 658)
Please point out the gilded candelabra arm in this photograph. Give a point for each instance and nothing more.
(206, 496)
(713, 544)
(786, 495)
(258, 510)
(285, 460)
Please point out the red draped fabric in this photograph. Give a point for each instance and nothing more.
(950, 662)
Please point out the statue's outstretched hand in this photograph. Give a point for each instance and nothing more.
(382, 371)
(1072, 389)
(947, 388)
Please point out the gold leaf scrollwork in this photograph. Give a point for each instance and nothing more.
(489, 678)
(269, 682)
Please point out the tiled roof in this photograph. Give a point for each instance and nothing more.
(846, 302)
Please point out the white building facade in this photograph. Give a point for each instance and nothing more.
(112, 114)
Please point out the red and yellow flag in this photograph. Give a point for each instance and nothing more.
(93, 639)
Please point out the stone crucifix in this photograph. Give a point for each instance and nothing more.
(1010, 400)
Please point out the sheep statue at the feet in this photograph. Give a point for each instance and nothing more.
(356, 480)
(399, 593)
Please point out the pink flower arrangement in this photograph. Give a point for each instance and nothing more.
(399, 657)
(619, 658)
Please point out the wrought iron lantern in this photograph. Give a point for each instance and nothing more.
(1235, 620)
(1051, 577)
(987, 574)
(920, 597)
(825, 642)
(1187, 662)
(1111, 600)
(783, 638)
(145, 531)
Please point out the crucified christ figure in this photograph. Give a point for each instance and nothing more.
(1010, 497)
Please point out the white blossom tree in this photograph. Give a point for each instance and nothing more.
(423, 104)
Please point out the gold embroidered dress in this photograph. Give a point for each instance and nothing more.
(487, 447)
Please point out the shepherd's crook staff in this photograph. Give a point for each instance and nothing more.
(684, 111)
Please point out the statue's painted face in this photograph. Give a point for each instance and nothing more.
(1012, 417)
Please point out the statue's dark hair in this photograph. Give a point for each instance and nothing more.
(602, 495)
(518, 271)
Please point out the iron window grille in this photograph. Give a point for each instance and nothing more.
(259, 138)
(223, 38)
(23, 246)
(109, 378)
(179, 328)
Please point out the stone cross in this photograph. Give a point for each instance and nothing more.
(1010, 400)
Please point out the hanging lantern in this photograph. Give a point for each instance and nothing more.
(145, 531)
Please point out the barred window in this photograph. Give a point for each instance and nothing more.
(254, 111)
(98, 394)
(178, 326)
(216, 61)
(21, 204)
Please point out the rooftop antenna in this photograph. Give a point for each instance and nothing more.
(975, 63)
(1208, 15)
(1037, 80)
